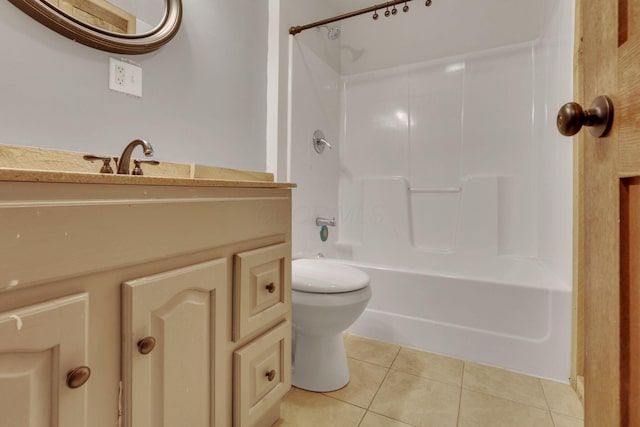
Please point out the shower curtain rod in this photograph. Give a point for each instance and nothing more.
(297, 29)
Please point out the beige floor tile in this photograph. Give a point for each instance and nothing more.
(307, 409)
(417, 401)
(374, 420)
(562, 399)
(365, 379)
(481, 410)
(429, 365)
(501, 383)
(565, 421)
(372, 351)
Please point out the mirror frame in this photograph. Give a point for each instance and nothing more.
(131, 44)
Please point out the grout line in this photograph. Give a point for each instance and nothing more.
(464, 364)
(364, 414)
(396, 356)
(378, 389)
(383, 380)
(546, 400)
(498, 396)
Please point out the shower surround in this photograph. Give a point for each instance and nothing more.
(454, 194)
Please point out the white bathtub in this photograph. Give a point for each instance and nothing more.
(521, 325)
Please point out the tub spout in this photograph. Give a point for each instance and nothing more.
(325, 221)
(125, 158)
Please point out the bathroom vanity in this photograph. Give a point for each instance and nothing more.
(143, 301)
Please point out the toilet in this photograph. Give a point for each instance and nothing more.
(327, 298)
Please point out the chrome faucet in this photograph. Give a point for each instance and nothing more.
(125, 158)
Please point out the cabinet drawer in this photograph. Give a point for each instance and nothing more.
(261, 288)
(262, 375)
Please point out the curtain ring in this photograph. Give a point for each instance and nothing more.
(375, 15)
(405, 8)
(427, 3)
(394, 11)
(387, 12)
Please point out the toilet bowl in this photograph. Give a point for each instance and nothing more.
(327, 298)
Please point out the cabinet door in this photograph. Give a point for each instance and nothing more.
(179, 381)
(39, 345)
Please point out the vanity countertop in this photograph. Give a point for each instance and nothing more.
(28, 164)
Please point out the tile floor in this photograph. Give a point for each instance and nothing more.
(395, 386)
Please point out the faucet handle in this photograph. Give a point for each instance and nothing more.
(106, 162)
(137, 170)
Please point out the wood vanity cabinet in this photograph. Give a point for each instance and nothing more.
(178, 300)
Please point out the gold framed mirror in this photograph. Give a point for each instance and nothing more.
(109, 25)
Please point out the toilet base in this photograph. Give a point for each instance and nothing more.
(319, 362)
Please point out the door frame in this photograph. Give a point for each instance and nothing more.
(577, 329)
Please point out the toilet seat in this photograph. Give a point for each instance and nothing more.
(321, 277)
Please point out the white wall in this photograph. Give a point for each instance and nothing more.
(204, 93)
(315, 105)
(292, 13)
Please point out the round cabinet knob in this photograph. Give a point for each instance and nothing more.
(271, 287)
(271, 375)
(599, 117)
(78, 376)
(146, 345)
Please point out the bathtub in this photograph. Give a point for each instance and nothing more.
(521, 324)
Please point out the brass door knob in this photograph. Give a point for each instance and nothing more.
(271, 375)
(78, 376)
(599, 117)
(271, 287)
(146, 345)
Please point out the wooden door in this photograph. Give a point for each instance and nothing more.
(178, 380)
(39, 345)
(610, 66)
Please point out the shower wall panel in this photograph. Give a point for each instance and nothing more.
(314, 104)
(554, 153)
(441, 126)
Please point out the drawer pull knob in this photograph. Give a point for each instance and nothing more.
(77, 377)
(271, 375)
(271, 287)
(146, 345)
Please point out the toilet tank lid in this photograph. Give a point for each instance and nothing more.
(316, 276)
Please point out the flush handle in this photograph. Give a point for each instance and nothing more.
(599, 117)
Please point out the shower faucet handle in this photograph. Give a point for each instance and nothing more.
(319, 142)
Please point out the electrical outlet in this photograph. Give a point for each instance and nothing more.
(125, 77)
(119, 76)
